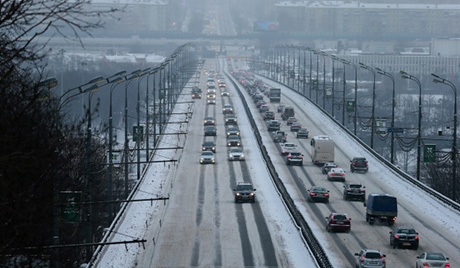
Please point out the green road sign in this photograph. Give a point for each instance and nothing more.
(429, 153)
(70, 210)
(140, 134)
(315, 83)
(350, 106)
(162, 93)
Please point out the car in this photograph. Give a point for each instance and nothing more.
(359, 164)
(233, 140)
(280, 107)
(273, 125)
(207, 157)
(236, 153)
(354, 191)
(291, 120)
(294, 158)
(210, 131)
(230, 119)
(263, 108)
(269, 115)
(295, 126)
(432, 259)
(244, 192)
(224, 93)
(209, 121)
(209, 146)
(260, 103)
(338, 222)
(370, 258)
(404, 236)
(233, 131)
(279, 136)
(302, 133)
(227, 109)
(288, 147)
(211, 89)
(317, 193)
(327, 166)
(336, 174)
(196, 93)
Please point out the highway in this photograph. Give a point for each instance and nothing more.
(203, 226)
(435, 222)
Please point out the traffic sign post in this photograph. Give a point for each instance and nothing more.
(140, 134)
(70, 211)
(350, 106)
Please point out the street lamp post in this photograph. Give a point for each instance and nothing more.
(310, 51)
(114, 82)
(382, 72)
(405, 75)
(133, 76)
(139, 135)
(438, 79)
(324, 79)
(362, 65)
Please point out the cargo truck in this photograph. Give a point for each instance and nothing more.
(275, 94)
(381, 206)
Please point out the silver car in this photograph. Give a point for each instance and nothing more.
(236, 154)
(370, 258)
(207, 157)
(432, 259)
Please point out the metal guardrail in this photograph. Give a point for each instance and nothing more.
(318, 252)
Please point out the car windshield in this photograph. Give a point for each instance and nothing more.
(207, 154)
(319, 189)
(406, 231)
(373, 255)
(355, 186)
(245, 187)
(435, 256)
(236, 150)
(339, 217)
(208, 143)
(290, 145)
(296, 154)
(233, 138)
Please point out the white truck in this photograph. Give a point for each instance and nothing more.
(275, 94)
(322, 149)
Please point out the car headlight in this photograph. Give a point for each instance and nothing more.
(229, 144)
(242, 155)
(230, 155)
(204, 148)
(212, 159)
(238, 144)
(228, 133)
(226, 120)
(201, 159)
(213, 148)
(237, 194)
(252, 194)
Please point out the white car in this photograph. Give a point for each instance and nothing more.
(288, 147)
(432, 259)
(207, 157)
(336, 174)
(236, 154)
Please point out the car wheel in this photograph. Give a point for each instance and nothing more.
(415, 247)
(394, 245)
(327, 201)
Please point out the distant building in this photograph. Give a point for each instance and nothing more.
(139, 16)
(365, 20)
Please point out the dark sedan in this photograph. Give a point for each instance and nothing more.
(338, 222)
(404, 236)
(318, 194)
(295, 126)
(209, 146)
(210, 131)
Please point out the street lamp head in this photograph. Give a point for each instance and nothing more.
(93, 88)
(97, 80)
(131, 77)
(48, 83)
(117, 80)
(405, 76)
(403, 72)
(435, 75)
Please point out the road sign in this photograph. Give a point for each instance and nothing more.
(70, 211)
(140, 134)
(429, 153)
(395, 130)
(350, 106)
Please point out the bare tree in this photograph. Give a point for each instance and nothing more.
(39, 153)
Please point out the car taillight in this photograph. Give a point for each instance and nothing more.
(447, 266)
(313, 194)
(342, 174)
(396, 236)
(425, 264)
(289, 156)
(383, 259)
(362, 190)
(326, 194)
(416, 237)
(367, 164)
(300, 157)
(354, 163)
(332, 173)
(362, 258)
